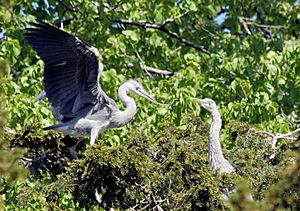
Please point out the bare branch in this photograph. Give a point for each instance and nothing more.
(266, 29)
(158, 71)
(275, 137)
(146, 24)
(267, 32)
(9, 131)
(63, 22)
(290, 119)
(142, 63)
(149, 70)
(244, 25)
(208, 32)
(171, 20)
(115, 6)
(138, 204)
(249, 21)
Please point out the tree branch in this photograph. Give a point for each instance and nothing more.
(149, 70)
(171, 20)
(244, 25)
(146, 24)
(267, 32)
(249, 21)
(158, 71)
(63, 22)
(292, 121)
(275, 137)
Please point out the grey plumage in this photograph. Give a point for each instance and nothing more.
(215, 155)
(71, 81)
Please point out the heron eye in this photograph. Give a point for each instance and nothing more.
(138, 88)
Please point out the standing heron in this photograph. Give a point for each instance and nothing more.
(71, 81)
(215, 155)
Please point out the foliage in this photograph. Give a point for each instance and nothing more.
(244, 56)
(9, 169)
(172, 172)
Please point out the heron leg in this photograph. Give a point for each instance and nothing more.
(94, 134)
(96, 130)
(73, 148)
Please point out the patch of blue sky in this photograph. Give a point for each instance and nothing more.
(220, 18)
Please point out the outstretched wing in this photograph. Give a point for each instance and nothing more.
(72, 68)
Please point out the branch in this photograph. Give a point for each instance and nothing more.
(149, 70)
(290, 119)
(142, 63)
(9, 131)
(249, 22)
(146, 24)
(63, 22)
(171, 20)
(267, 32)
(275, 137)
(244, 25)
(158, 71)
(264, 27)
(113, 8)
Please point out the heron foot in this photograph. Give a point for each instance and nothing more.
(73, 149)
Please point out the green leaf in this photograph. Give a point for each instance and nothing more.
(131, 34)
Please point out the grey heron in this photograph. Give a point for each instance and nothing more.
(215, 155)
(71, 83)
(216, 158)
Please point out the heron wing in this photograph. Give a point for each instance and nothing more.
(72, 69)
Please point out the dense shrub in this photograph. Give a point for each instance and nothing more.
(171, 172)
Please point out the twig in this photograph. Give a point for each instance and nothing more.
(9, 131)
(146, 24)
(158, 203)
(149, 70)
(290, 119)
(145, 207)
(242, 21)
(267, 32)
(171, 20)
(142, 63)
(158, 71)
(208, 32)
(138, 204)
(249, 21)
(277, 136)
(115, 6)
(63, 22)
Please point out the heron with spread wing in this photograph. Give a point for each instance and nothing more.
(71, 81)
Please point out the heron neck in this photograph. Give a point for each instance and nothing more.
(123, 117)
(214, 147)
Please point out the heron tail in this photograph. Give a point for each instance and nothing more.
(54, 126)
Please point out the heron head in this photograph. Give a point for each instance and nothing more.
(136, 87)
(206, 103)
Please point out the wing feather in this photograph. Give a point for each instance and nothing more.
(71, 68)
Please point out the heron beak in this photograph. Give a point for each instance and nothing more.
(200, 101)
(144, 94)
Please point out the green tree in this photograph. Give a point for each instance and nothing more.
(244, 55)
